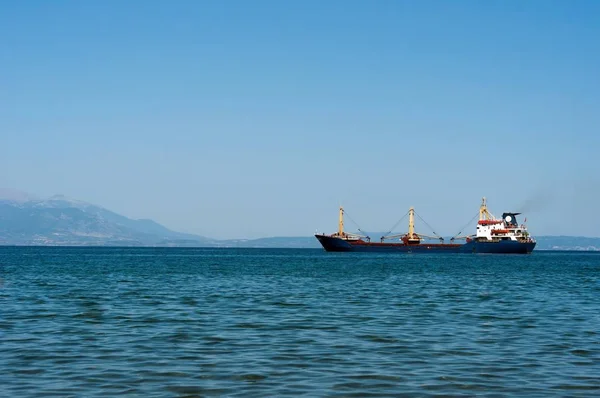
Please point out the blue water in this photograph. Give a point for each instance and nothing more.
(90, 322)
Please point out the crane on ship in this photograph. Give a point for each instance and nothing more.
(483, 214)
(411, 237)
(347, 235)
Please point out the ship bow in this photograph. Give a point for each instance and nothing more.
(333, 244)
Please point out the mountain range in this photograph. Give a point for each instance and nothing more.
(61, 221)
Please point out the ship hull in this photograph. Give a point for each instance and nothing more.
(334, 244)
(502, 247)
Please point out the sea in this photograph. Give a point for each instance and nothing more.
(198, 322)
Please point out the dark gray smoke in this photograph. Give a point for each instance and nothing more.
(537, 201)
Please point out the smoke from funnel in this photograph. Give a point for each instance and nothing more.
(538, 201)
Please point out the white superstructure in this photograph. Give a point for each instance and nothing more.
(490, 228)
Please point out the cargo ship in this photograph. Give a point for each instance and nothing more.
(493, 235)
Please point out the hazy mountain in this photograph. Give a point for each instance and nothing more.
(63, 221)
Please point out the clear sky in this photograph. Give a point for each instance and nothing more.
(259, 118)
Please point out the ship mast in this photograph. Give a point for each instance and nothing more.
(484, 214)
(411, 237)
(341, 222)
(411, 223)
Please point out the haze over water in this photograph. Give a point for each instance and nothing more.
(257, 322)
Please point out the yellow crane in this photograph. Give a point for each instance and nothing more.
(411, 237)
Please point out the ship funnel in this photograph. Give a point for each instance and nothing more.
(510, 219)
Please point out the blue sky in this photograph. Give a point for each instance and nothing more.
(250, 119)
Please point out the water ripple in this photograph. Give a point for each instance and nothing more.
(238, 322)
